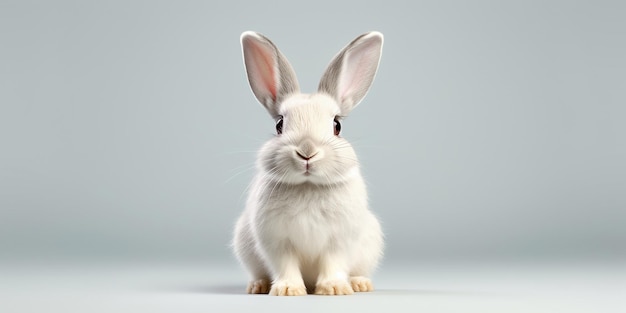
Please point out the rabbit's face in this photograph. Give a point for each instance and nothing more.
(308, 146)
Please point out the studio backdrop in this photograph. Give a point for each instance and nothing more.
(494, 129)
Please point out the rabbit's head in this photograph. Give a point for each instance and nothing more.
(308, 146)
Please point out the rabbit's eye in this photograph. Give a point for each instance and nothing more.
(279, 125)
(337, 126)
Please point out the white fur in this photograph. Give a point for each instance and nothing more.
(307, 225)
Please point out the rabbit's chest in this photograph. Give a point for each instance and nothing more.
(311, 223)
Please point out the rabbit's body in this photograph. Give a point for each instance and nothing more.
(307, 224)
(310, 222)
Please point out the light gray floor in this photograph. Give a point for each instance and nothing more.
(424, 287)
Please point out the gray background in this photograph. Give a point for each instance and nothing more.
(493, 129)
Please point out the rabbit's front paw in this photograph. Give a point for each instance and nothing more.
(259, 286)
(286, 288)
(333, 287)
(361, 284)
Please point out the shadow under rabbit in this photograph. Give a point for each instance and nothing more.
(241, 290)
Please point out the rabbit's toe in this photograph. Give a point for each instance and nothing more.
(361, 284)
(333, 287)
(259, 286)
(285, 288)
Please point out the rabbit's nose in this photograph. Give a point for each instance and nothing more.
(305, 157)
(306, 150)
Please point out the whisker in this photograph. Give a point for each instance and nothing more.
(278, 182)
(249, 168)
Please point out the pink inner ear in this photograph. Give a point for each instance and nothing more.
(357, 72)
(264, 67)
(352, 79)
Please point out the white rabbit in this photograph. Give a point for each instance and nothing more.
(307, 225)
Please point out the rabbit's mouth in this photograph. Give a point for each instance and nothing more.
(308, 172)
(305, 162)
(307, 169)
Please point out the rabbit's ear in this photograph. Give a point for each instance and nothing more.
(270, 75)
(351, 73)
